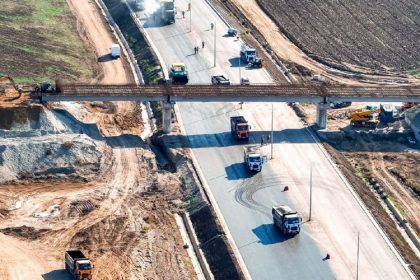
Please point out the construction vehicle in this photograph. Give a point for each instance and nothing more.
(45, 87)
(167, 11)
(178, 73)
(408, 105)
(388, 113)
(287, 220)
(220, 80)
(253, 158)
(239, 128)
(247, 53)
(78, 265)
(115, 51)
(255, 63)
(365, 118)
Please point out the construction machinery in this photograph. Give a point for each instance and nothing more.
(388, 113)
(408, 105)
(78, 265)
(365, 118)
(255, 63)
(239, 128)
(167, 11)
(287, 220)
(219, 80)
(247, 53)
(253, 158)
(178, 73)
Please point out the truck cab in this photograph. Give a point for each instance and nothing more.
(287, 220)
(254, 159)
(247, 53)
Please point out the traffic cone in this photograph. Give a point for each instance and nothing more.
(286, 188)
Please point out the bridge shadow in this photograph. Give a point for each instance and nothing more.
(91, 130)
(225, 139)
(268, 234)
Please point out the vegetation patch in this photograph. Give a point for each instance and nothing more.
(39, 41)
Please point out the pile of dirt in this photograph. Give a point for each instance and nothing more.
(37, 143)
(24, 232)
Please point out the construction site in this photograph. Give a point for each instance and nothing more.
(126, 190)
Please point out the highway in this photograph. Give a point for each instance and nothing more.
(245, 201)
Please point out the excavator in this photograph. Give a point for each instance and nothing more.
(365, 118)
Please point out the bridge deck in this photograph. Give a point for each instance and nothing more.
(208, 93)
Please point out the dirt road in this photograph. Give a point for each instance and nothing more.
(92, 26)
(283, 47)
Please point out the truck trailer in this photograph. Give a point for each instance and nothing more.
(239, 128)
(167, 11)
(287, 220)
(78, 265)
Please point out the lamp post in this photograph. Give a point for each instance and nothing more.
(214, 64)
(310, 195)
(272, 129)
(357, 261)
(190, 9)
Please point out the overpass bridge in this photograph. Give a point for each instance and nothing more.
(170, 94)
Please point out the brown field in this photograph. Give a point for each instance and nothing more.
(381, 35)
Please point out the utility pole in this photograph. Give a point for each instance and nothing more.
(310, 194)
(357, 261)
(239, 70)
(214, 64)
(190, 9)
(272, 129)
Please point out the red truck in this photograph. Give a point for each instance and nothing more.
(78, 265)
(239, 128)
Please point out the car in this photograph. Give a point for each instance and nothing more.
(232, 32)
(244, 81)
(220, 80)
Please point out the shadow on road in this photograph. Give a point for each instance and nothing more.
(268, 234)
(58, 274)
(237, 171)
(105, 58)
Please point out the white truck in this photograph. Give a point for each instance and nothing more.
(253, 158)
(287, 220)
(115, 51)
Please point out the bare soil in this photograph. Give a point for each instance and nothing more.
(380, 35)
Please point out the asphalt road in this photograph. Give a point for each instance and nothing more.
(246, 201)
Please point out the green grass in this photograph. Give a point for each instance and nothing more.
(402, 212)
(414, 72)
(29, 80)
(45, 44)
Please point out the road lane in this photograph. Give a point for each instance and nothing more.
(245, 201)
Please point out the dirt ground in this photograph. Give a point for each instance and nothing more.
(380, 36)
(291, 53)
(393, 164)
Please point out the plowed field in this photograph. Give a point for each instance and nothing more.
(381, 35)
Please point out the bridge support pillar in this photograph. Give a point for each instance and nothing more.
(321, 114)
(167, 108)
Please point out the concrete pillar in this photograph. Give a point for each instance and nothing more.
(321, 115)
(167, 116)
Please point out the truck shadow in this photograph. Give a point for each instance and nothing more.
(268, 234)
(236, 62)
(105, 58)
(58, 274)
(237, 171)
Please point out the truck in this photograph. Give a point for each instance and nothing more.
(178, 73)
(78, 265)
(247, 53)
(388, 113)
(219, 80)
(239, 128)
(253, 158)
(287, 220)
(167, 11)
(115, 51)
